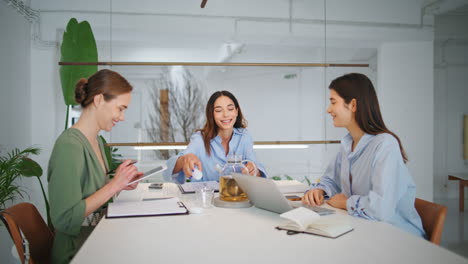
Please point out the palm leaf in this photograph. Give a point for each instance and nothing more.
(29, 168)
(111, 155)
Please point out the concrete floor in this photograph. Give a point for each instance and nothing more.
(455, 234)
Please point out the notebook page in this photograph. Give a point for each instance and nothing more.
(291, 186)
(149, 207)
(191, 187)
(301, 216)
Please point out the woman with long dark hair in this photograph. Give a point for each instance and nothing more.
(369, 177)
(223, 134)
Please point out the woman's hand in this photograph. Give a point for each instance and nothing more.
(314, 197)
(252, 169)
(189, 161)
(124, 174)
(338, 201)
(134, 185)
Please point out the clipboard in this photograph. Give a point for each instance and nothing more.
(149, 207)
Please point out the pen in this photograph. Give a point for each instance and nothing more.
(152, 199)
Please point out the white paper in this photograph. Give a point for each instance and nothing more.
(301, 216)
(190, 187)
(157, 206)
(292, 186)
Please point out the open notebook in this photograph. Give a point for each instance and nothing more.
(302, 220)
(149, 207)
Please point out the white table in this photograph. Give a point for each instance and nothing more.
(248, 235)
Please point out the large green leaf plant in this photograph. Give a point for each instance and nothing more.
(78, 45)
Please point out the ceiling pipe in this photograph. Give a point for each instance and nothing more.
(424, 10)
(448, 5)
(440, 7)
(290, 16)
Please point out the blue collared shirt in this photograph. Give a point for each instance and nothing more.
(381, 188)
(241, 144)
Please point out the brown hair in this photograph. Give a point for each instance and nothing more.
(106, 82)
(210, 129)
(368, 116)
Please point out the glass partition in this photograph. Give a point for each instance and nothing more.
(276, 57)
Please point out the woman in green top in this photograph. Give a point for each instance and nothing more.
(77, 167)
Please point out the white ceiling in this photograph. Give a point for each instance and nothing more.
(158, 30)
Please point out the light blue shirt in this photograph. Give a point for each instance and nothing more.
(241, 144)
(382, 188)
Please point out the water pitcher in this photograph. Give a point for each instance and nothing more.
(228, 188)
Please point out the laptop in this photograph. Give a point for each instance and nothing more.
(264, 194)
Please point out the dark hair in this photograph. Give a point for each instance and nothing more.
(210, 129)
(368, 116)
(106, 82)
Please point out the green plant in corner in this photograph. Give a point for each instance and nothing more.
(279, 177)
(78, 45)
(113, 158)
(13, 165)
(289, 178)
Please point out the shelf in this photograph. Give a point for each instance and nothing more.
(104, 63)
(154, 144)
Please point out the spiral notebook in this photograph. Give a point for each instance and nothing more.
(147, 207)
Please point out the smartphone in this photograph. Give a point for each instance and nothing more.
(156, 185)
(293, 197)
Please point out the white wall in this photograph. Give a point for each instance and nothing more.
(405, 84)
(15, 75)
(450, 98)
(15, 108)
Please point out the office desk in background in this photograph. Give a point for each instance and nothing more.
(463, 182)
(239, 236)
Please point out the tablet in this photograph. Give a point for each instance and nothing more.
(150, 173)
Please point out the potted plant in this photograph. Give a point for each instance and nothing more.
(14, 165)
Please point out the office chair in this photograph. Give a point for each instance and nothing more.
(31, 235)
(432, 217)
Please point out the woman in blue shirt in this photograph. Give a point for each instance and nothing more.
(223, 134)
(369, 177)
